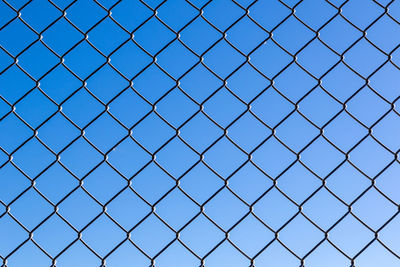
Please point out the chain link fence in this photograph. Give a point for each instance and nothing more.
(199, 133)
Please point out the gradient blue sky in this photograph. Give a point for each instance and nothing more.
(225, 133)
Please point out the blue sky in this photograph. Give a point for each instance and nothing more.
(248, 129)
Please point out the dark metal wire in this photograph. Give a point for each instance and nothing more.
(201, 206)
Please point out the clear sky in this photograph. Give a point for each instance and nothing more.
(179, 133)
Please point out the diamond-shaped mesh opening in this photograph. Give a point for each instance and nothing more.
(199, 133)
(16, 44)
(160, 235)
(112, 234)
(55, 235)
(350, 236)
(317, 58)
(300, 242)
(201, 244)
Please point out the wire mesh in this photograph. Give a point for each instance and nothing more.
(199, 133)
